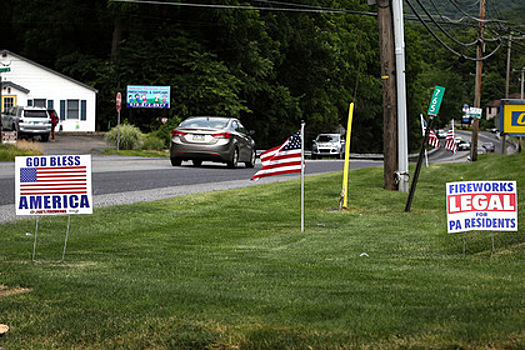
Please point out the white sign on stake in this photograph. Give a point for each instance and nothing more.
(53, 185)
(482, 206)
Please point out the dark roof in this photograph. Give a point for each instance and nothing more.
(7, 52)
(16, 86)
(496, 103)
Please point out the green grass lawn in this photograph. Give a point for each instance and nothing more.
(26, 148)
(231, 270)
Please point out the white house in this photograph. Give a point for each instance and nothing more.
(27, 83)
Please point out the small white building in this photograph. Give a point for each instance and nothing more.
(27, 83)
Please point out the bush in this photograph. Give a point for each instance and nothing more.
(152, 143)
(164, 131)
(130, 137)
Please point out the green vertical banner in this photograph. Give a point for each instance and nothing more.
(435, 101)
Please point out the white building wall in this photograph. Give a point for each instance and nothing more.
(45, 84)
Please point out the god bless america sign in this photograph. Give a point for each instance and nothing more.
(53, 185)
(482, 206)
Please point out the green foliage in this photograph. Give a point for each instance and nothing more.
(152, 143)
(130, 137)
(271, 69)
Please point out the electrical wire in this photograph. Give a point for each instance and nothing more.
(445, 45)
(443, 30)
(456, 5)
(251, 8)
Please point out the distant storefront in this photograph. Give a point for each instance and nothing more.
(27, 83)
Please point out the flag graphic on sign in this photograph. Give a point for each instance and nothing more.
(53, 180)
(450, 141)
(284, 159)
(432, 138)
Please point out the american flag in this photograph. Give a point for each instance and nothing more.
(432, 139)
(53, 180)
(450, 141)
(283, 159)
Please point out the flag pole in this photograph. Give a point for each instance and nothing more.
(302, 176)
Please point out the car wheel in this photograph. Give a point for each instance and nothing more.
(196, 162)
(175, 161)
(234, 160)
(45, 137)
(251, 163)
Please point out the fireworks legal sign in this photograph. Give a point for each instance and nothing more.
(482, 206)
(53, 185)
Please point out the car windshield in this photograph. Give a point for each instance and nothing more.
(35, 114)
(208, 123)
(328, 138)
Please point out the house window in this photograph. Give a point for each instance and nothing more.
(9, 101)
(72, 109)
(50, 104)
(39, 102)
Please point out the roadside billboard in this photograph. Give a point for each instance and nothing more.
(482, 206)
(512, 114)
(143, 96)
(53, 185)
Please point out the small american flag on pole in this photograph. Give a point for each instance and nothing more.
(432, 138)
(450, 141)
(284, 159)
(53, 180)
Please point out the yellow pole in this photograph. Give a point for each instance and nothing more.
(347, 156)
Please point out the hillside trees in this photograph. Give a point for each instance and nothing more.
(271, 69)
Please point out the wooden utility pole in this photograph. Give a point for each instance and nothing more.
(388, 78)
(507, 81)
(477, 91)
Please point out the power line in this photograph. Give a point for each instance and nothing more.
(447, 46)
(250, 8)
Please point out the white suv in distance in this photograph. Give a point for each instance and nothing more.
(28, 121)
(328, 145)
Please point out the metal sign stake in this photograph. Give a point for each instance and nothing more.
(65, 241)
(34, 244)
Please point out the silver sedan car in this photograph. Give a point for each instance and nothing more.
(216, 139)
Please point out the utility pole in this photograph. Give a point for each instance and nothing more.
(507, 81)
(477, 93)
(402, 132)
(388, 78)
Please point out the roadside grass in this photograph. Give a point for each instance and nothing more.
(231, 270)
(22, 148)
(144, 153)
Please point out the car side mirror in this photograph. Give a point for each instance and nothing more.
(251, 132)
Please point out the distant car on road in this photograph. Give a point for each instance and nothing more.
(328, 145)
(489, 146)
(28, 121)
(463, 145)
(442, 134)
(216, 139)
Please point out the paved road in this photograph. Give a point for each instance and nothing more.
(122, 180)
